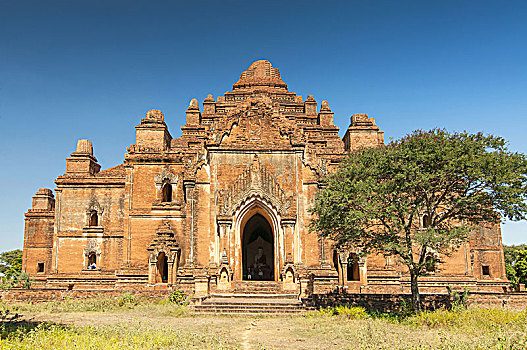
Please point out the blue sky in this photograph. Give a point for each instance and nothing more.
(91, 69)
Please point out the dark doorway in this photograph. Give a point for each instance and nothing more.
(167, 192)
(162, 268)
(258, 250)
(92, 260)
(94, 219)
(336, 261)
(353, 268)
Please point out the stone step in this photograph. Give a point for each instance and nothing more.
(251, 303)
(254, 296)
(250, 306)
(249, 313)
(248, 310)
(269, 284)
(262, 287)
(256, 303)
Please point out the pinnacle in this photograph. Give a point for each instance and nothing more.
(260, 73)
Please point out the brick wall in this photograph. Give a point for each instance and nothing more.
(513, 301)
(50, 294)
(395, 302)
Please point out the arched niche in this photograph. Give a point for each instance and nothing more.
(162, 268)
(256, 206)
(352, 271)
(258, 249)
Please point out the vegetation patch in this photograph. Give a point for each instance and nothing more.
(120, 303)
(109, 337)
(350, 312)
(179, 298)
(163, 324)
(477, 319)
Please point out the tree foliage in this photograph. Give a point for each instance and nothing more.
(516, 264)
(11, 270)
(418, 197)
(11, 263)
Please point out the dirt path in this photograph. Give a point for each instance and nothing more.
(248, 334)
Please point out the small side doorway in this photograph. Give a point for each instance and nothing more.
(162, 268)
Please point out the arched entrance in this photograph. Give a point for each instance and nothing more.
(258, 249)
(353, 273)
(162, 268)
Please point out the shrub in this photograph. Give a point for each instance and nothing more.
(320, 313)
(353, 312)
(127, 300)
(178, 297)
(458, 300)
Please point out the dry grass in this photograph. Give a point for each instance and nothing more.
(110, 337)
(159, 325)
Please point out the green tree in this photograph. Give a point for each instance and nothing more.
(420, 196)
(516, 263)
(520, 266)
(11, 263)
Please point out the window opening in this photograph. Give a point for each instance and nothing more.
(162, 267)
(167, 192)
(353, 268)
(92, 261)
(40, 267)
(94, 219)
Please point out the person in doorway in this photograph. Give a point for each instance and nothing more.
(260, 259)
(260, 264)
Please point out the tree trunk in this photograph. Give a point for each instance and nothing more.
(416, 298)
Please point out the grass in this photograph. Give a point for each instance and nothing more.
(354, 312)
(127, 323)
(121, 303)
(109, 337)
(471, 320)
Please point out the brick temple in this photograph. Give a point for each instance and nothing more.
(224, 207)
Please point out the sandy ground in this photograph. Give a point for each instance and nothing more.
(279, 332)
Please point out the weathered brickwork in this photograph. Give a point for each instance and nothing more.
(227, 201)
(397, 302)
(57, 294)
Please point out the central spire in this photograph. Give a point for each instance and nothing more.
(260, 74)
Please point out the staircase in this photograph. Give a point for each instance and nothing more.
(252, 297)
(257, 287)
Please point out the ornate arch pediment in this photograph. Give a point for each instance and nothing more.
(94, 204)
(256, 180)
(92, 247)
(166, 174)
(164, 242)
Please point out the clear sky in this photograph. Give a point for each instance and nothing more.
(91, 69)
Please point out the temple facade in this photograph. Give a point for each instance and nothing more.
(224, 205)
